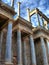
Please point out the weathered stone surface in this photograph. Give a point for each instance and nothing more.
(38, 52)
(18, 36)
(14, 49)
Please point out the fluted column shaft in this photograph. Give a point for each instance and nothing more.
(8, 55)
(19, 47)
(33, 57)
(45, 60)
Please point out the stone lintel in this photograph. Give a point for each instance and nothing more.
(6, 14)
(40, 13)
(22, 21)
(23, 28)
(33, 12)
(23, 25)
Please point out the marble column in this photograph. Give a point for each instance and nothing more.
(1, 39)
(33, 56)
(37, 18)
(28, 14)
(12, 3)
(19, 47)
(19, 8)
(25, 56)
(42, 21)
(44, 54)
(8, 54)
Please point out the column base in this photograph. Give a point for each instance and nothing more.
(8, 63)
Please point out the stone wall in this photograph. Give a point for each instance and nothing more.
(38, 52)
(39, 57)
(3, 48)
(14, 48)
(28, 51)
(14, 42)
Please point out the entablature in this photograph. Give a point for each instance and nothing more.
(6, 10)
(6, 7)
(39, 31)
(6, 14)
(23, 25)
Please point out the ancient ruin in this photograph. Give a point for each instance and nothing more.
(20, 42)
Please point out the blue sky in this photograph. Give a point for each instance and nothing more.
(42, 5)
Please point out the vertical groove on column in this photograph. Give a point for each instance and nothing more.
(32, 50)
(45, 60)
(19, 44)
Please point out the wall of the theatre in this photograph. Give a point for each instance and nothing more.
(38, 52)
(3, 48)
(28, 54)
